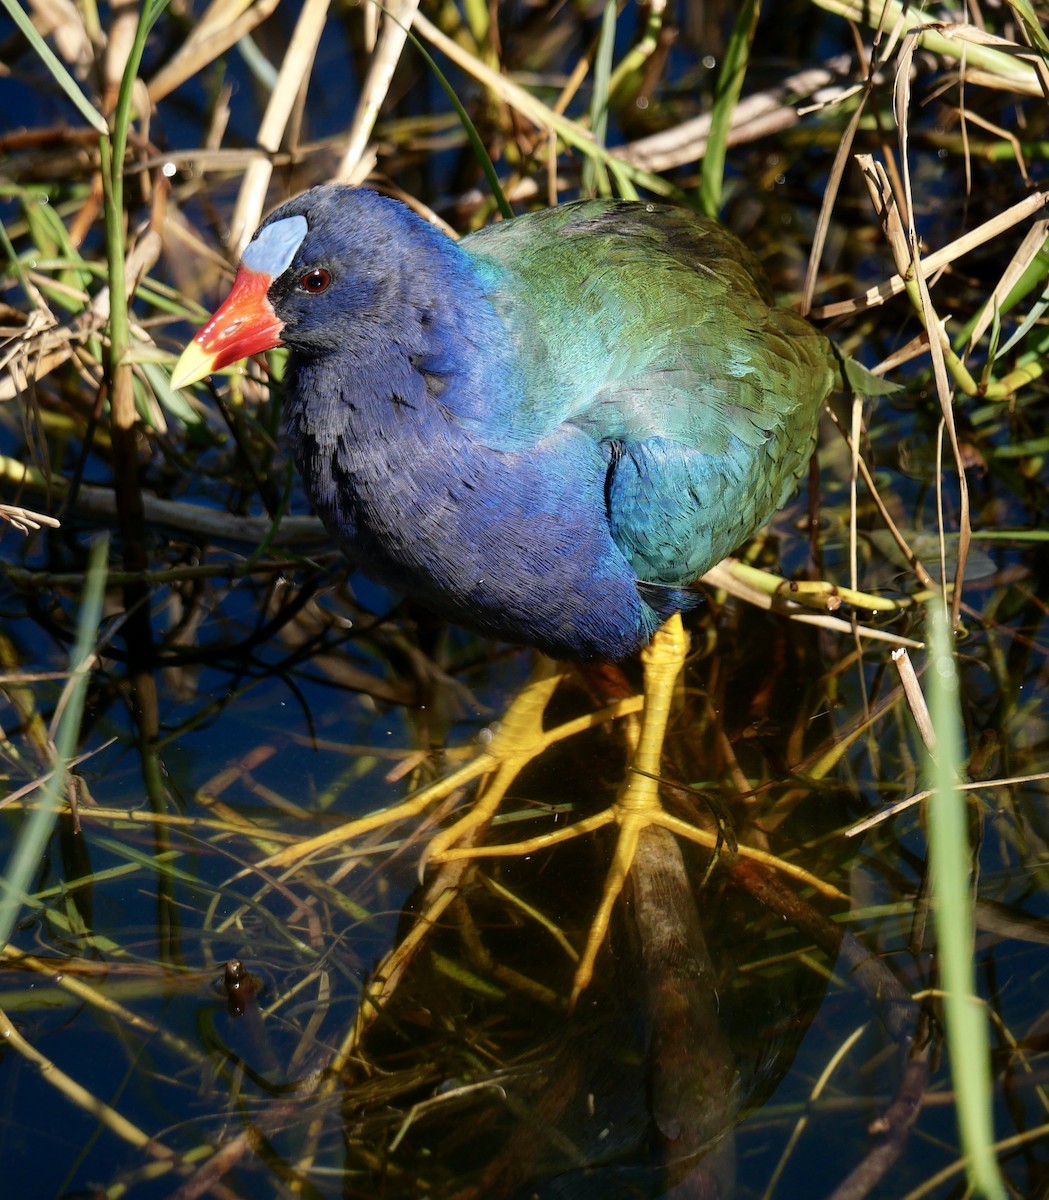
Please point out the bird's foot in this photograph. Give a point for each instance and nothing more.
(518, 739)
(521, 737)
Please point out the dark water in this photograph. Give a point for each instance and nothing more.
(292, 697)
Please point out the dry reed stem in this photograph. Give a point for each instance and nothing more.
(966, 117)
(931, 263)
(989, 60)
(222, 26)
(522, 101)
(25, 520)
(294, 72)
(79, 1096)
(61, 21)
(120, 37)
(894, 810)
(904, 245)
(758, 115)
(301, 532)
(541, 115)
(354, 163)
(218, 159)
(837, 172)
(1033, 243)
(913, 561)
(803, 1121)
(912, 690)
(84, 993)
(44, 345)
(232, 825)
(938, 344)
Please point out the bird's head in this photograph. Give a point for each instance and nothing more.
(326, 268)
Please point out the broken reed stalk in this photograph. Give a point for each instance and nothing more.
(138, 631)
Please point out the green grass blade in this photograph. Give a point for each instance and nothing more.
(16, 264)
(479, 148)
(58, 71)
(949, 855)
(595, 176)
(730, 84)
(25, 856)
(1031, 23)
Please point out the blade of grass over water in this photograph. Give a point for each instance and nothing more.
(950, 858)
(474, 138)
(54, 64)
(1031, 23)
(112, 151)
(26, 853)
(137, 627)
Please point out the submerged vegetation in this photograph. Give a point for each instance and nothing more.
(206, 988)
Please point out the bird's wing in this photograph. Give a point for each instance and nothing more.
(635, 320)
(660, 339)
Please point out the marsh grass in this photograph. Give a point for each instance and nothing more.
(243, 695)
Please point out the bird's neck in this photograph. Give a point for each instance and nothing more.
(440, 350)
(376, 453)
(373, 434)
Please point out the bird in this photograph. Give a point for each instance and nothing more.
(545, 431)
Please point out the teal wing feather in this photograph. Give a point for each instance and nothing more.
(654, 332)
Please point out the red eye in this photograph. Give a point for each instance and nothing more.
(315, 282)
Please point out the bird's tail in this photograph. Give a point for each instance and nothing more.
(667, 600)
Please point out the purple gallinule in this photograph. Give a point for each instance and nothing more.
(545, 432)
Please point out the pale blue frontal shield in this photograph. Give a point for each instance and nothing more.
(271, 250)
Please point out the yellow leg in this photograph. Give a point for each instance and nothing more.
(638, 804)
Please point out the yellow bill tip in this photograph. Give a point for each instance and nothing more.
(194, 365)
